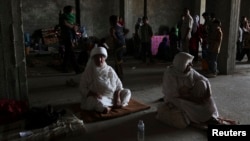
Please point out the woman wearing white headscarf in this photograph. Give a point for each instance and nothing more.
(188, 91)
(100, 87)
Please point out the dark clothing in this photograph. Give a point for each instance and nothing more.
(173, 38)
(137, 42)
(146, 51)
(137, 28)
(212, 61)
(239, 51)
(239, 44)
(204, 35)
(164, 51)
(69, 58)
(244, 47)
(120, 43)
(66, 32)
(117, 33)
(146, 34)
(245, 51)
(67, 35)
(194, 43)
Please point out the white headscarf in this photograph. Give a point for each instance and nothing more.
(181, 60)
(99, 50)
(95, 51)
(103, 80)
(196, 23)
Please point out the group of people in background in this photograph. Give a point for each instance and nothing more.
(212, 36)
(142, 38)
(189, 35)
(243, 40)
(208, 36)
(118, 33)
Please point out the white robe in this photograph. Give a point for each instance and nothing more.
(102, 80)
(174, 79)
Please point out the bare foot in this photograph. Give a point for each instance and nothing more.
(106, 110)
(117, 100)
(118, 104)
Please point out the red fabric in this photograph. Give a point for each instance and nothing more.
(196, 37)
(203, 33)
(155, 41)
(11, 110)
(193, 43)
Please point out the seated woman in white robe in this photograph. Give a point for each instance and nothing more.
(100, 87)
(189, 92)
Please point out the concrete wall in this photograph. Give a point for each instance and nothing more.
(13, 81)
(165, 12)
(94, 14)
(136, 7)
(42, 14)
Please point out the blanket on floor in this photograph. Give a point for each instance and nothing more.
(92, 116)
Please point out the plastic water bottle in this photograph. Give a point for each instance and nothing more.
(25, 133)
(140, 131)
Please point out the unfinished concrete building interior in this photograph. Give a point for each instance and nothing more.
(30, 74)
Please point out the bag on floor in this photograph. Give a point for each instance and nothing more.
(172, 116)
(39, 117)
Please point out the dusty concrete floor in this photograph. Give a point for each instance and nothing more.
(231, 93)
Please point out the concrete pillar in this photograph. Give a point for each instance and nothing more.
(227, 11)
(121, 7)
(13, 79)
(133, 10)
(198, 8)
(145, 8)
(78, 11)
